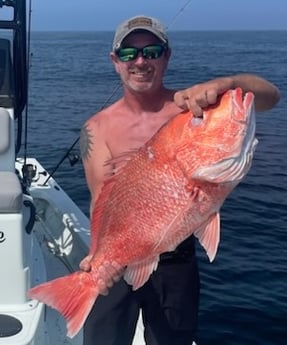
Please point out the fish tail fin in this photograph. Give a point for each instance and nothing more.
(73, 296)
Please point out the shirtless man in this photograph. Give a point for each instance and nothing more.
(169, 300)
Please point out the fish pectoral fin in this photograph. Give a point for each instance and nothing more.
(138, 273)
(209, 236)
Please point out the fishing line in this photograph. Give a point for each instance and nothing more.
(178, 13)
(25, 166)
(76, 158)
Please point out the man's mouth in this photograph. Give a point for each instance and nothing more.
(141, 73)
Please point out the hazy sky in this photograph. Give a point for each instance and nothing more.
(198, 15)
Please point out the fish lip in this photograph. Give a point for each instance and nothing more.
(249, 141)
(250, 119)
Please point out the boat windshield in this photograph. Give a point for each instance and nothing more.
(13, 55)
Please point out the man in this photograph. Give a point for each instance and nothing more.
(169, 300)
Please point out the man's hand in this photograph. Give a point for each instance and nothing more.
(85, 264)
(108, 273)
(200, 96)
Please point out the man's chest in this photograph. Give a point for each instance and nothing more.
(133, 134)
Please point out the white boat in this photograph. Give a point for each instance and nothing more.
(43, 233)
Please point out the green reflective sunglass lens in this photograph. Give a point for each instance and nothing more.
(152, 52)
(148, 52)
(127, 54)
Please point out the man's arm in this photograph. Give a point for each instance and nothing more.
(94, 153)
(201, 95)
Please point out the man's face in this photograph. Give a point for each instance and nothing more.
(141, 74)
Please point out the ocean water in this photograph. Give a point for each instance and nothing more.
(244, 291)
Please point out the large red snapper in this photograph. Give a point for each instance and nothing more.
(171, 188)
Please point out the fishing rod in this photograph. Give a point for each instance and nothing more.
(75, 158)
(27, 171)
(178, 13)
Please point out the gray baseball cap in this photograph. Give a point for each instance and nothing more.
(141, 22)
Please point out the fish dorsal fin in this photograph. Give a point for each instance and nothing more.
(209, 236)
(98, 213)
(118, 162)
(138, 273)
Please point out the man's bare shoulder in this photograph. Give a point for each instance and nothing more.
(94, 130)
(100, 121)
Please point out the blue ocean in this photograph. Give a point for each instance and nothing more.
(244, 291)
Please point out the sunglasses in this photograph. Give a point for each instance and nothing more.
(150, 52)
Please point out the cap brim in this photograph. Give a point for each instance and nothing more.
(140, 28)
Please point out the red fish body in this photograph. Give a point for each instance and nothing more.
(171, 188)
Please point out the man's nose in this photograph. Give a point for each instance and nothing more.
(140, 59)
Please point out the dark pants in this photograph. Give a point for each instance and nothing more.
(168, 300)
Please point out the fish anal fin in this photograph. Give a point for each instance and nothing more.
(138, 273)
(209, 236)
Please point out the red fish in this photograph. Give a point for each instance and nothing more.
(171, 188)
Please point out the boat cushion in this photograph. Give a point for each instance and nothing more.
(10, 193)
(4, 130)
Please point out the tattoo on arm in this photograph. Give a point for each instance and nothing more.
(85, 142)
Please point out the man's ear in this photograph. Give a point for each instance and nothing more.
(115, 60)
(168, 53)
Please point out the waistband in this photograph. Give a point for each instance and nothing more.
(185, 250)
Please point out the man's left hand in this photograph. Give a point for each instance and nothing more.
(200, 96)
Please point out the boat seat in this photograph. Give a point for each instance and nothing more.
(7, 103)
(13, 272)
(7, 145)
(10, 193)
(4, 130)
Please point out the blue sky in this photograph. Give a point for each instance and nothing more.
(198, 15)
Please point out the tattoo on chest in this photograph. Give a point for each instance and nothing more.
(85, 142)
